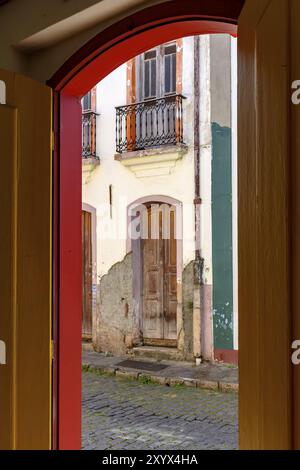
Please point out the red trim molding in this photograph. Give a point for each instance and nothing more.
(70, 276)
(229, 356)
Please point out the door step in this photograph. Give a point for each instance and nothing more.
(160, 343)
(157, 353)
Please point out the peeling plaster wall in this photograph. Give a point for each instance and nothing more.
(114, 317)
(187, 307)
(114, 324)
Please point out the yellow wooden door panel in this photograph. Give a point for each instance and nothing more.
(32, 275)
(264, 311)
(8, 132)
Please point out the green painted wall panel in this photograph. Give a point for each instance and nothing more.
(222, 237)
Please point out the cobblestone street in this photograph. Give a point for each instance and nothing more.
(129, 414)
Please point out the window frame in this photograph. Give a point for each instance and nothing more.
(164, 56)
(160, 73)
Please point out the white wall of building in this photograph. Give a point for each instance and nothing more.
(205, 157)
(126, 187)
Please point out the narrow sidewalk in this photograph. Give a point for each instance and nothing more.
(170, 373)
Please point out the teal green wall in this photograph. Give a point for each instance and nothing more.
(222, 237)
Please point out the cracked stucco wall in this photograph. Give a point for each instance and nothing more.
(114, 318)
(187, 307)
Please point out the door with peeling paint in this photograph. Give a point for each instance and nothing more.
(159, 277)
(87, 275)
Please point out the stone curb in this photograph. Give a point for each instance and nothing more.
(161, 380)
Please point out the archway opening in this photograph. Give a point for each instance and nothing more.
(92, 63)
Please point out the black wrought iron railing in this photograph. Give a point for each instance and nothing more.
(89, 134)
(150, 123)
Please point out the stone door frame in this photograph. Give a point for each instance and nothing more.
(137, 266)
(93, 211)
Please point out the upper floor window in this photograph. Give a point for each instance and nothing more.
(157, 77)
(170, 68)
(87, 102)
(150, 66)
(89, 121)
(153, 115)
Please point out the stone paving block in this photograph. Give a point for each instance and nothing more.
(109, 370)
(128, 414)
(190, 382)
(175, 381)
(208, 384)
(127, 374)
(229, 386)
(93, 368)
(158, 379)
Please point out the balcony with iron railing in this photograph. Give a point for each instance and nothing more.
(89, 127)
(149, 135)
(90, 159)
(151, 123)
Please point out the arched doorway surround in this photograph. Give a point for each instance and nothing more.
(134, 210)
(90, 64)
(89, 270)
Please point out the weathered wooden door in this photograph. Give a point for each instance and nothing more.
(159, 280)
(170, 281)
(87, 274)
(25, 268)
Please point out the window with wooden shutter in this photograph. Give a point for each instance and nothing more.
(170, 69)
(150, 72)
(87, 102)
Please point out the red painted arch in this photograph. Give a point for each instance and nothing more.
(91, 63)
(135, 34)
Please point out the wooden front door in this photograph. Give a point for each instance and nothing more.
(159, 280)
(87, 275)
